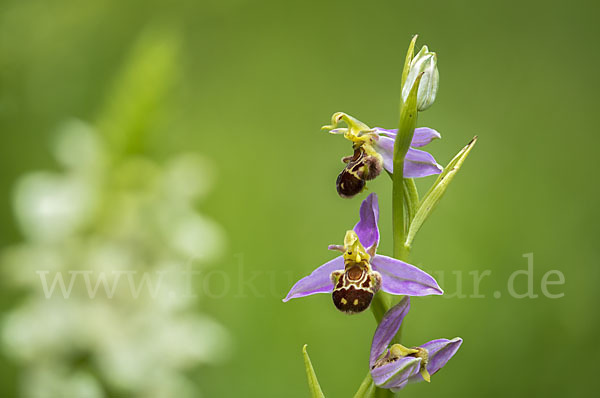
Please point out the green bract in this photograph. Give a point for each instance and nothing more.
(435, 193)
(313, 383)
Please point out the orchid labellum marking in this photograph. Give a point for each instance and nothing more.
(356, 285)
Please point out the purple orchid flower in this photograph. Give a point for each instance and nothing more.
(355, 277)
(374, 151)
(397, 365)
(416, 163)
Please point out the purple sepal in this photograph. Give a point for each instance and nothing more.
(366, 228)
(319, 281)
(400, 278)
(416, 163)
(420, 164)
(440, 351)
(397, 373)
(421, 137)
(387, 329)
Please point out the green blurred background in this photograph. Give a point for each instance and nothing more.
(254, 81)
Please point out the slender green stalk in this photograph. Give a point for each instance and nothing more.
(408, 122)
(383, 393)
(380, 305)
(405, 198)
(366, 389)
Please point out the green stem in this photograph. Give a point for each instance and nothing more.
(366, 389)
(408, 122)
(404, 191)
(383, 393)
(380, 305)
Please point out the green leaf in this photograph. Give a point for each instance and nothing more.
(313, 383)
(367, 388)
(138, 93)
(431, 198)
(409, 57)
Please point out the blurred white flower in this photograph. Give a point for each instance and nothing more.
(51, 207)
(104, 225)
(188, 177)
(53, 380)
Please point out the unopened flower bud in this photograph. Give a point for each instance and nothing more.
(425, 62)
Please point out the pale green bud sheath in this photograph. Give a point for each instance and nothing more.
(409, 57)
(425, 64)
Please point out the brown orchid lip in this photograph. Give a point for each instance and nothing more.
(355, 287)
(349, 184)
(360, 168)
(352, 300)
